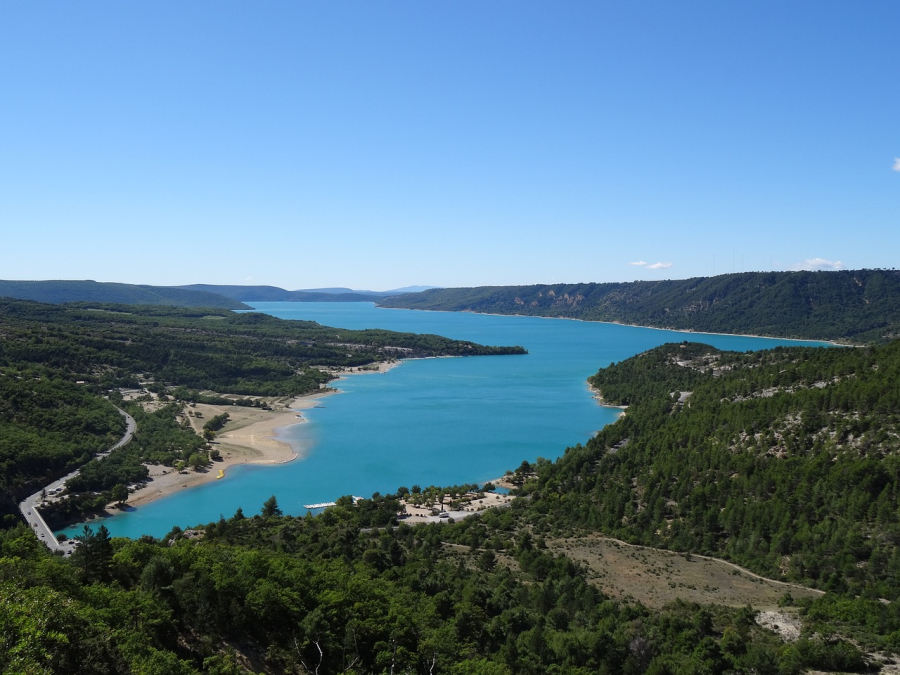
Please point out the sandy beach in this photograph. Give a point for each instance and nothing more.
(249, 437)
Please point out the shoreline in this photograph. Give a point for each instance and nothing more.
(627, 325)
(598, 397)
(251, 436)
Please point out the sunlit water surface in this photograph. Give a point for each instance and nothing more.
(428, 422)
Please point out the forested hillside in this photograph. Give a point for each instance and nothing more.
(787, 461)
(129, 294)
(347, 593)
(854, 306)
(48, 425)
(250, 354)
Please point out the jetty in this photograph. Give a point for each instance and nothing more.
(325, 505)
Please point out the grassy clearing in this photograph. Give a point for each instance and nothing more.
(655, 577)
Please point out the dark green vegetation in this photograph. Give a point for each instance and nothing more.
(127, 294)
(337, 594)
(783, 461)
(248, 354)
(49, 425)
(857, 306)
(56, 361)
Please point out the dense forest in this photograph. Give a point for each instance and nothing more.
(346, 592)
(784, 461)
(48, 425)
(250, 353)
(855, 306)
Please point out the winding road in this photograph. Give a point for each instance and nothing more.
(28, 506)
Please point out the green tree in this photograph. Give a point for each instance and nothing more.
(94, 554)
(270, 507)
(119, 493)
(196, 461)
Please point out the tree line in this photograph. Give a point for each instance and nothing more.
(327, 595)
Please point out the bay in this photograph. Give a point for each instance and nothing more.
(432, 421)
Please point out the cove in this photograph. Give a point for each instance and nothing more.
(428, 422)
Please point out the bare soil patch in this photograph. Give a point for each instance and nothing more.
(655, 577)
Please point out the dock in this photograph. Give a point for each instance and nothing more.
(325, 505)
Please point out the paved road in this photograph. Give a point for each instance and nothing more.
(28, 506)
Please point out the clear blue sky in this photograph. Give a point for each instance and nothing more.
(452, 143)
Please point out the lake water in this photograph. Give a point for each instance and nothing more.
(428, 422)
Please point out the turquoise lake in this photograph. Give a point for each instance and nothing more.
(428, 422)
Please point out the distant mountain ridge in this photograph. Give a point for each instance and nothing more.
(276, 294)
(60, 291)
(853, 306)
(385, 294)
(194, 295)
